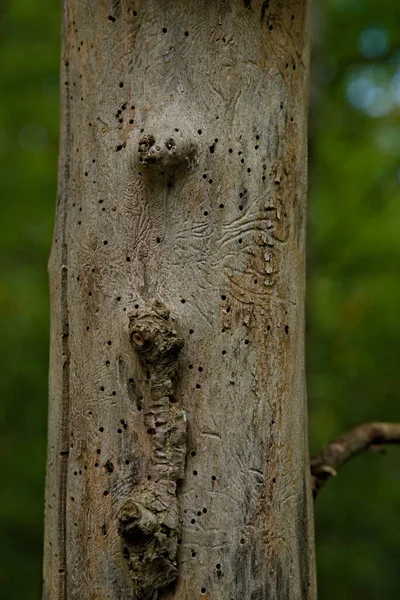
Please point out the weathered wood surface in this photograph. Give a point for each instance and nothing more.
(208, 218)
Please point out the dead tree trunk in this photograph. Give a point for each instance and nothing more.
(178, 464)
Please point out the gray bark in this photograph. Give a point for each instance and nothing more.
(178, 463)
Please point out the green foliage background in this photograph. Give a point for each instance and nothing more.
(353, 289)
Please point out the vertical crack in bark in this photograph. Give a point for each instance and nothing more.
(149, 522)
(64, 186)
(64, 453)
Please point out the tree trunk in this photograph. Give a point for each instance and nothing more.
(178, 461)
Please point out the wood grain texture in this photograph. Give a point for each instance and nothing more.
(182, 179)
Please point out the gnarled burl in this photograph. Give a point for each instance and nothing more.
(149, 521)
(166, 148)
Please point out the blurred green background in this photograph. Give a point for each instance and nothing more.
(353, 283)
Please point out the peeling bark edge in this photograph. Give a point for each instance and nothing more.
(149, 523)
(336, 453)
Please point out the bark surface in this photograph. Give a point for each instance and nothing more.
(180, 470)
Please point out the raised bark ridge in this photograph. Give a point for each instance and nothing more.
(149, 521)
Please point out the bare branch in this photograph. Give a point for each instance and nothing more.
(363, 437)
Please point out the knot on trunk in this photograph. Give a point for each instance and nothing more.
(136, 525)
(154, 338)
(166, 148)
(150, 549)
(148, 523)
